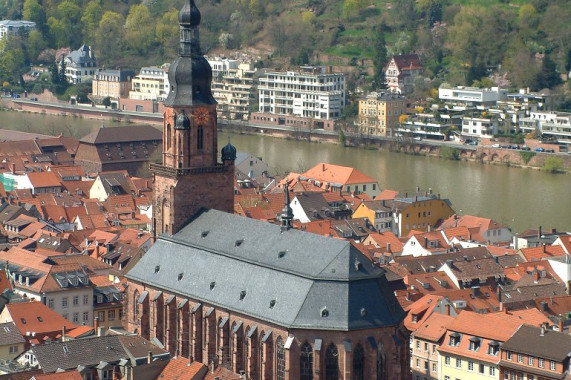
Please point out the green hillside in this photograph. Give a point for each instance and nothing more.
(518, 43)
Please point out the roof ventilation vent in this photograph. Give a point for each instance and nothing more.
(242, 295)
(238, 243)
(357, 265)
(157, 268)
(212, 285)
(180, 276)
(324, 312)
(363, 312)
(281, 254)
(272, 304)
(204, 234)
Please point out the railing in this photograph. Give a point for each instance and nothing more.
(174, 172)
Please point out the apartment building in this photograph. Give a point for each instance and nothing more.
(311, 92)
(379, 113)
(555, 125)
(472, 96)
(478, 127)
(80, 65)
(232, 87)
(114, 84)
(401, 72)
(15, 27)
(152, 83)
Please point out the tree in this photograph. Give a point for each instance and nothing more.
(90, 19)
(379, 58)
(33, 11)
(549, 77)
(36, 44)
(139, 29)
(167, 33)
(552, 165)
(109, 36)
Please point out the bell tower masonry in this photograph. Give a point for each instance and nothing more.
(190, 176)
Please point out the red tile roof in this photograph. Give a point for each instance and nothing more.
(44, 179)
(344, 175)
(36, 317)
(542, 252)
(180, 368)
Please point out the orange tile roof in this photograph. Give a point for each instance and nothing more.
(81, 331)
(387, 195)
(542, 252)
(532, 317)
(381, 239)
(566, 243)
(180, 368)
(36, 317)
(65, 375)
(433, 327)
(344, 175)
(44, 179)
(500, 251)
(421, 310)
(490, 326)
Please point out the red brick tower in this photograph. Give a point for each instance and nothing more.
(190, 176)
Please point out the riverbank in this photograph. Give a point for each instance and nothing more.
(445, 150)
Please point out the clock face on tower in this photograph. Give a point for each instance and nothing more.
(202, 115)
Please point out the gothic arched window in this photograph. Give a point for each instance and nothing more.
(200, 138)
(136, 303)
(332, 363)
(306, 362)
(380, 362)
(359, 363)
(280, 359)
(168, 136)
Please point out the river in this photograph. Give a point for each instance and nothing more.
(520, 198)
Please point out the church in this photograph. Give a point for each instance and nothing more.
(263, 300)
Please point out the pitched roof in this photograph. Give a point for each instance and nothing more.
(116, 135)
(44, 179)
(489, 326)
(542, 252)
(65, 375)
(37, 317)
(551, 344)
(434, 327)
(9, 334)
(238, 254)
(337, 174)
(407, 61)
(181, 369)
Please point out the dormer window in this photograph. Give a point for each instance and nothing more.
(242, 295)
(212, 285)
(157, 268)
(493, 348)
(324, 313)
(454, 339)
(475, 343)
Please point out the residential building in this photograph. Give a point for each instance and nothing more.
(479, 127)
(342, 178)
(232, 87)
(424, 343)
(12, 343)
(112, 84)
(250, 165)
(401, 72)
(472, 274)
(107, 305)
(471, 346)
(80, 65)
(426, 126)
(419, 213)
(551, 125)
(121, 148)
(15, 27)
(536, 353)
(127, 357)
(379, 113)
(151, 83)
(308, 207)
(311, 92)
(472, 96)
(379, 214)
(483, 228)
(108, 184)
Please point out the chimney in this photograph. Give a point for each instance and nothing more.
(542, 332)
(418, 189)
(535, 277)
(553, 231)
(13, 167)
(416, 198)
(63, 333)
(150, 357)
(438, 195)
(406, 195)
(323, 167)
(425, 242)
(96, 324)
(539, 232)
(447, 308)
(561, 324)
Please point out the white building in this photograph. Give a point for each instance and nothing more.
(80, 65)
(472, 96)
(232, 87)
(479, 127)
(15, 27)
(152, 83)
(312, 92)
(556, 125)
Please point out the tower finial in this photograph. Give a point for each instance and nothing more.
(287, 213)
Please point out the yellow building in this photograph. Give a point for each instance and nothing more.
(379, 113)
(152, 83)
(378, 212)
(12, 343)
(419, 213)
(114, 84)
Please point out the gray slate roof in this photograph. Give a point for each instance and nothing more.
(9, 334)
(302, 272)
(126, 134)
(552, 345)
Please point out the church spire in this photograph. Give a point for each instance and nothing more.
(287, 212)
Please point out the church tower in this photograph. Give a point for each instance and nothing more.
(190, 176)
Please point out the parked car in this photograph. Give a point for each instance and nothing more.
(418, 138)
(495, 145)
(549, 150)
(525, 148)
(539, 149)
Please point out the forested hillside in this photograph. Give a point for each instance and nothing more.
(520, 43)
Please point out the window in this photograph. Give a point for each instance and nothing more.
(332, 363)
(426, 365)
(280, 359)
(470, 366)
(509, 355)
(64, 302)
(540, 362)
(99, 298)
(519, 358)
(86, 299)
(306, 362)
(359, 363)
(552, 365)
(51, 303)
(530, 360)
(482, 368)
(493, 349)
(446, 377)
(417, 343)
(447, 360)
(13, 349)
(492, 371)
(75, 317)
(75, 300)
(530, 377)
(199, 138)
(426, 347)
(111, 315)
(417, 363)
(85, 316)
(101, 316)
(458, 363)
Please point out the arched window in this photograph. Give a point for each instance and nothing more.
(306, 362)
(359, 363)
(280, 359)
(168, 136)
(136, 304)
(332, 363)
(380, 362)
(199, 138)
